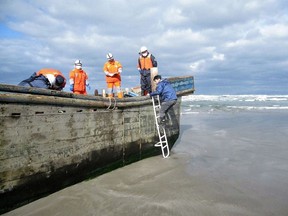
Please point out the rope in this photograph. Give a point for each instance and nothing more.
(110, 103)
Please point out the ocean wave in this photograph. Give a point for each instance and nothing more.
(258, 108)
(248, 98)
(213, 103)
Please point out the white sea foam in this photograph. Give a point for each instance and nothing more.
(212, 103)
(235, 98)
(258, 108)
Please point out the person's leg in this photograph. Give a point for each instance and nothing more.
(142, 82)
(147, 82)
(118, 89)
(36, 82)
(109, 89)
(80, 92)
(25, 83)
(148, 86)
(165, 106)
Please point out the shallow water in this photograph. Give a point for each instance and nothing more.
(224, 163)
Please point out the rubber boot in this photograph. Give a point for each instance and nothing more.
(144, 93)
(120, 94)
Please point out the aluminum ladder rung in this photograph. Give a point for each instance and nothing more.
(163, 143)
(158, 144)
(166, 146)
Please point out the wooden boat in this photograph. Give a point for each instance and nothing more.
(50, 139)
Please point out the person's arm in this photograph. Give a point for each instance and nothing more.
(87, 82)
(119, 68)
(105, 69)
(139, 65)
(159, 90)
(154, 93)
(154, 62)
(71, 80)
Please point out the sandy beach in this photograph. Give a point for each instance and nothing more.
(223, 164)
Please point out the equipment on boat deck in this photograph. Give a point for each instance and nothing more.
(163, 143)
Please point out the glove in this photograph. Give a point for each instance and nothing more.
(88, 87)
(71, 87)
(109, 74)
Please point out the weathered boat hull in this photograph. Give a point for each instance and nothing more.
(50, 140)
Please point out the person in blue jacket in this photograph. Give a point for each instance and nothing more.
(168, 96)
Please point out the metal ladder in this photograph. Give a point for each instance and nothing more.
(163, 143)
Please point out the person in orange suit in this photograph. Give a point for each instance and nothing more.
(78, 79)
(46, 78)
(112, 70)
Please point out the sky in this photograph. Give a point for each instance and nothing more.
(229, 46)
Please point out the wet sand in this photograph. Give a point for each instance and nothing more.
(223, 164)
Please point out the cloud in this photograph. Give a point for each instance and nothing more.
(225, 44)
(174, 16)
(275, 31)
(180, 38)
(218, 57)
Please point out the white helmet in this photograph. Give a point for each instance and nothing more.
(109, 56)
(78, 62)
(143, 49)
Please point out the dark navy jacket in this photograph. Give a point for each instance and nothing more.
(165, 90)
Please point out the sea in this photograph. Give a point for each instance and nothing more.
(231, 159)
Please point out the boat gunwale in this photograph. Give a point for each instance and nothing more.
(31, 95)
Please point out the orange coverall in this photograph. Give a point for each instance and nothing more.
(78, 78)
(113, 79)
